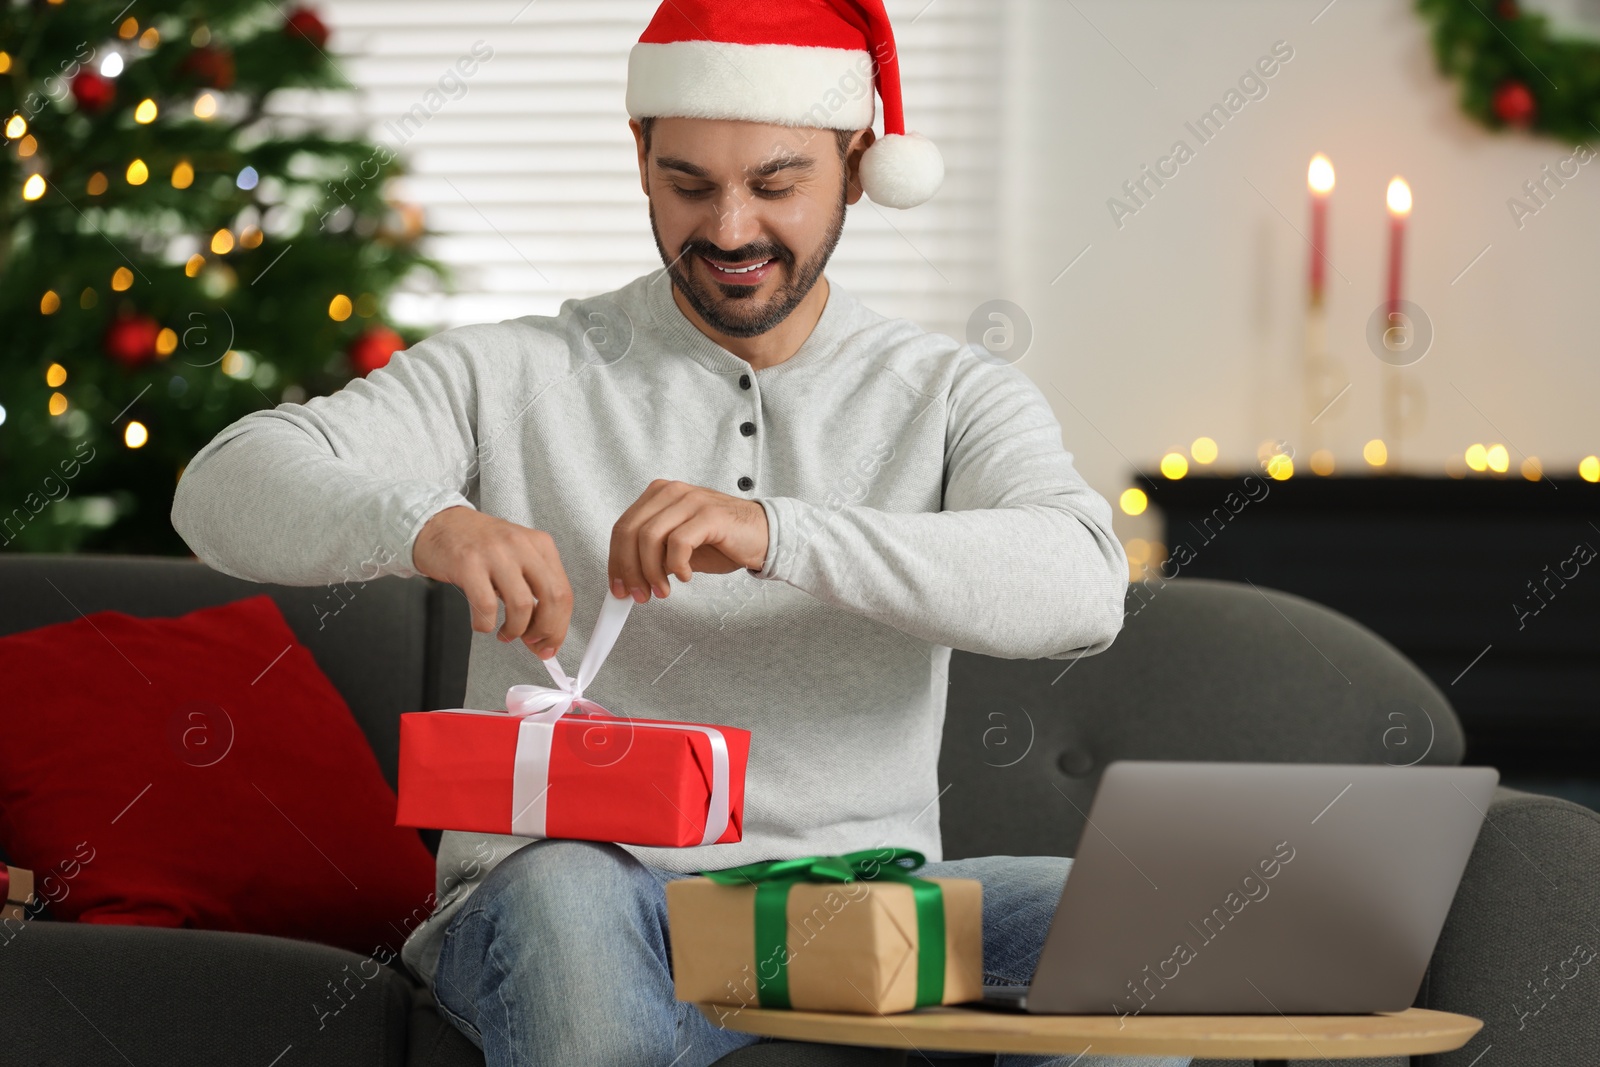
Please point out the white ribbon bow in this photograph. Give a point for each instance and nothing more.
(541, 703)
(540, 706)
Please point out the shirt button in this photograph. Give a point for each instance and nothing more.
(746, 483)
(747, 428)
(744, 381)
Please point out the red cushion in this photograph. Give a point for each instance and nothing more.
(200, 771)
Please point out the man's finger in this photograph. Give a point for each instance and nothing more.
(681, 543)
(512, 586)
(474, 583)
(652, 541)
(625, 562)
(554, 611)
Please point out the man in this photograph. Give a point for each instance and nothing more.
(855, 495)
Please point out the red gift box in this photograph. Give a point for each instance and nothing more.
(635, 781)
(536, 771)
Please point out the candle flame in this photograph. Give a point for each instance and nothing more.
(1399, 197)
(1320, 175)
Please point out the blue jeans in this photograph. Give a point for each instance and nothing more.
(561, 957)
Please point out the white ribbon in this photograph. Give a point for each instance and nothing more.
(541, 703)
(540, 706)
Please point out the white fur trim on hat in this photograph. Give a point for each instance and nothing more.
(902, 171)
(788, 85)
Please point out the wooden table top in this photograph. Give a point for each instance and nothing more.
(959, 1028)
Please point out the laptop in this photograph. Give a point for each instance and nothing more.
(1256, 888)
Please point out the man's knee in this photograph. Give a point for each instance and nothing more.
(555, 883)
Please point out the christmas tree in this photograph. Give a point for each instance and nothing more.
(174, 253)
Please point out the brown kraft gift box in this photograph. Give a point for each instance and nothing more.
(18, 894)
(852, 946)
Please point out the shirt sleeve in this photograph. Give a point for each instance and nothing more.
(337, 488)
(1021, 563)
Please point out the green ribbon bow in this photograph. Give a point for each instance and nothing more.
(772, 879)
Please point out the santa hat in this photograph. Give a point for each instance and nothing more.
(791, 63)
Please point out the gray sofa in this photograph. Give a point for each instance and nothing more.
(1202, 670)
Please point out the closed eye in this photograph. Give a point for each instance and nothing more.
(764, 193)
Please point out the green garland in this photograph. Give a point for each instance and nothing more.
(1513, 71)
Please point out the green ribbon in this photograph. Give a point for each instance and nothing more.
(772, 879)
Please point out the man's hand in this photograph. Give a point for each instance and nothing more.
(489, 559)
(675, 529)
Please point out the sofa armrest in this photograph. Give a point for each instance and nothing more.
(1526, 914)
(113, 995)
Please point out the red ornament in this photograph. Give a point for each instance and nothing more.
(209, 65)
(302, 23)
(373, 348)
(1514, 104)
(92, 91)
(131, 340)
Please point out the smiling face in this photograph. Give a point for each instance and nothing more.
(745, 214)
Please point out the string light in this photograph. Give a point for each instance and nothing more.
(16, 125)
(196, 264)
(236, 364)
(49, 303)
(1589, 468)
(205, 107)
(58, 403)
(183, 174)
(1280, 467)
(129, 28)
(247, 178)
(1498, 459)
(339, 308)
(1532, 469)
(166, 342)
(135, 435)
(1375, 452)
(122, 279)
(150, 38)
(5, 62)
(1133, 501)
(145, 113)
(111, 65)
(1204, 450)
(1322, 462)
(222, 242)
(27, 146)
(1477, 458)
(138, 173)
(98, 183)
(56, 376)
(33, 188)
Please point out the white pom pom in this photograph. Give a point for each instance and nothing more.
(902, 170)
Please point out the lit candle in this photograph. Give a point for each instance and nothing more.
(1399, 207)
(1319, 178)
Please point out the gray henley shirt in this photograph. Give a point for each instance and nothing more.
(918, 499)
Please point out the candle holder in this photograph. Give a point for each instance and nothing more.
(1323, 377)
(1404, 409)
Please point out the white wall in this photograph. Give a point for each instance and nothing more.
(1189, 319)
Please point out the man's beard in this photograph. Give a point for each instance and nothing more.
(738, 314)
